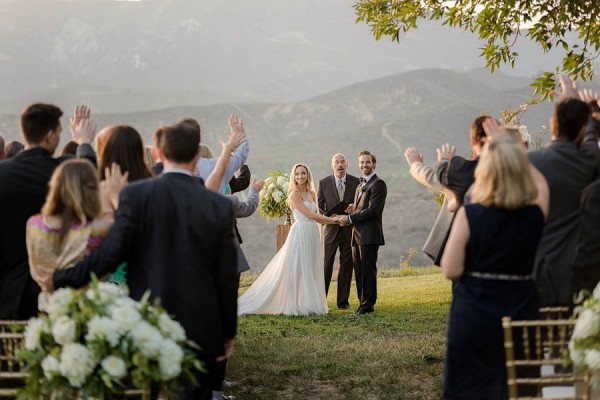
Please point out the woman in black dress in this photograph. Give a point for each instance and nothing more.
(490, 254)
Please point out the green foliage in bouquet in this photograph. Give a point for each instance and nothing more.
(273, 197)
(584, 347)
(97, 341)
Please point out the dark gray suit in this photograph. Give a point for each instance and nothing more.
(568, 169)
(586, 270)
(335, 237)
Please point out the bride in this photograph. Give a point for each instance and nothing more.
(293, 283)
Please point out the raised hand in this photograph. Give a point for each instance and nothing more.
(258, 185)
(568, 88)
(588, 95)
(412, 155)
(236, 125)
(447, 151)
(494, 130)
(84, 132)
(80, 113)
(115, 182)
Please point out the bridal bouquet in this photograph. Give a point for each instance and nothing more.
(98, 341)
(273, 197)
(584, 347)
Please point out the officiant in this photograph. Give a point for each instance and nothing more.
(335, 196)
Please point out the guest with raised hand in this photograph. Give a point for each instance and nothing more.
(70, 226)
(23, 189)
(490, 254)
(122, 145)
(70, 148)
(216, 177)
(242, 181)
(206, 165)
(570, 162)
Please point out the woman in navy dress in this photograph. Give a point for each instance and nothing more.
(490, 254)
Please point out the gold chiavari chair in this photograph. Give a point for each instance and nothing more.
(558, 312)
(12, 375)
(530, 345)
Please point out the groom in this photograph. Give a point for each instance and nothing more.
(367, 230)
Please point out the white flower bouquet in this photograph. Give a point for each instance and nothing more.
(98, 342)
(584, 347)
(273, 197)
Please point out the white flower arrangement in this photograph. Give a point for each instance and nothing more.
(584, 347)
(98, 341)
(273, 197)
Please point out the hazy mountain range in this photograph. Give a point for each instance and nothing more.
(421, 108)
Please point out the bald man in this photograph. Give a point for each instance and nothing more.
(333, 189)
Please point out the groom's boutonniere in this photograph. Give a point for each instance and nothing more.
(362, 188)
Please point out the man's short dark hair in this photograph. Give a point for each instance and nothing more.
(477, 132)
(39, 119)
(570, 116)
(180, 143)
(368, 153)
(192, 123)
(157, 137)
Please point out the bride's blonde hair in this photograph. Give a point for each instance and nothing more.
(310, 186)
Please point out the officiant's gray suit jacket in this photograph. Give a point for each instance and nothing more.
(328, 198)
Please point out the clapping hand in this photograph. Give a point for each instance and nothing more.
(258, 185)
(84, 132)
(412, 156)
(80, 113)
(447, 151)
(114, 182)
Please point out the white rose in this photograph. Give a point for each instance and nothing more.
(277, 195)
(125, 317)
(147, 339)
(50, 365)
(170, 360)
(271, 187)
(64, 330)
(59, 302)
(596, 293)
(170, 328)
(105, 292)
(269, 181)
(35, 327)
(577, 356)
(76, 364)
(103, 328)
(281, 180)
(592, 359)
(114, 366)
(588, 324)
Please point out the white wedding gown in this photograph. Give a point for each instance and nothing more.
(293, 283)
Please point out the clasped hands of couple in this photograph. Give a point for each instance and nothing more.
(343, 220)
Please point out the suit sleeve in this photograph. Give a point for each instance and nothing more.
(441, 171)
(86, 151)
(376, 203)
(113, 251)
(243, 209)
(586, 270)
(321, 198)
(227, 279)
(426, 176)
(237, 184)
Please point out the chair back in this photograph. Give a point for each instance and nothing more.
(531, 346)
(12, 374)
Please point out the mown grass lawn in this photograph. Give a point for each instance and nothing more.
(395, 353)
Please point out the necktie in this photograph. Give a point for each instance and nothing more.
(340, 189)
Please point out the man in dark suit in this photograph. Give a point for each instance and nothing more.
(586, 269)
(23, 189)
(367, 230)
(569, 163)
(177, 239)
(332, 190)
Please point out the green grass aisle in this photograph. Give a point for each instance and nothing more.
(387, 355)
